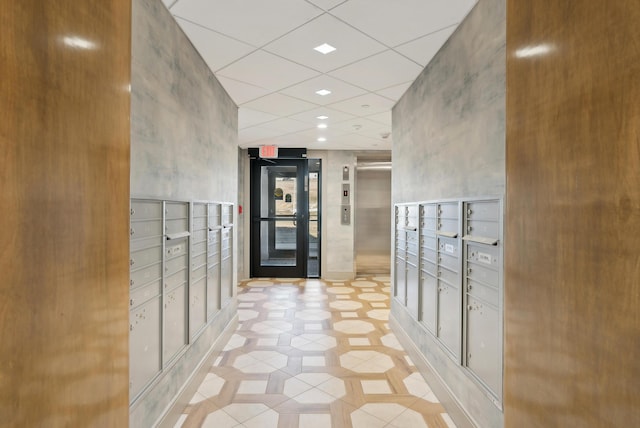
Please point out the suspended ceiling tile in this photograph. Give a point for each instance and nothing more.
(241, 92)
(395, 92)
(351, 45)
(216, 49)
(281, 105)
(362, 126)
(355, 142)
(364, 105)
(256, 22)
(327, 4)
(254, 133)
(248, 117)
(422, 50)
(379, 71)
(382, 118)
(267, 71)
(333, 116)
(399, 21)
(287, 126)
(339, 90)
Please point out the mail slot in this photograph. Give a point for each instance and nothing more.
(146, 275)
(429, 254)
(448, 246)
(141, 295)
(452, 278)
(448, 210)
(447, 225)
(145, 257)
(489, 229)
(145, 228)
(176, 264)
(198, 306)
(199, 223)
(174, 280)
(179, 210)
(199, 210)
(199, 235)
(429, 242)
(176, 226)
(199, 260)
(429, 210)
(428, 224)
(429, 267)
(450, 262)
(484, 254)
(483, 210)
(199, 248)
(199, 273)
(141, 210)
(489, 294)
(483, 274)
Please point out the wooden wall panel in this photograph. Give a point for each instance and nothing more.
(64, 173)
(572, 251)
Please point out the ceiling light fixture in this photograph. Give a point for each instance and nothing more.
(322, 125)
(323, 117)
(322, 140)
(78, 42)
(529, 51)
(323, 92)
(324, 48)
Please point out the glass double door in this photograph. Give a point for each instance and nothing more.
(285, 221)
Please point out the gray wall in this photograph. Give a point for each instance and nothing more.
(449, 142)
(183, 123)
(183, 146)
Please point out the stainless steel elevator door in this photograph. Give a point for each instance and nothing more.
(373, 217)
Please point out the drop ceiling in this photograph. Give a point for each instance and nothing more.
(262, 52)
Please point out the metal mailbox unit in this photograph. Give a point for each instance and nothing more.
(460, 290)
(198, 287)
(181, 253)
(226, 263)
(214, 239)
(483, 292)
(145, 294)
(176, 279)
(406, 289)
(449, 314)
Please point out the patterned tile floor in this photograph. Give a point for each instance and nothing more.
(314, 353)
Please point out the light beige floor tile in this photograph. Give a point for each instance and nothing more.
(252, 387)
(375, 387)
(314, 421)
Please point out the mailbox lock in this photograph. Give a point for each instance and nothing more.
(132, 262)
(133, 211)
(131, 232)
(469, 211)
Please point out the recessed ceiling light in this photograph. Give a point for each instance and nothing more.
(322, 125)
(324, 48)
(322, 139)
(323, 117)
(323, 92)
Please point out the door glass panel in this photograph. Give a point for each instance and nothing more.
(313, 261)
(277, 243)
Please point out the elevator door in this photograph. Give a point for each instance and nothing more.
(279, 213)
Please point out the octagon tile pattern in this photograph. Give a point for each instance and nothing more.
(314, 353)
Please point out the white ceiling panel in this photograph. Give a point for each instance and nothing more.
(256, 22)
(254, 133)
(382, 118)
(395, 92)
(351, 45)
(339, 90)
(379, 71)
(422, 50)
(333, 116)
(262, 53)
(248, 117)
(327, 4)
(288, 126)
(241, 92)
(278, 104)
(267, 71)
(399, 21)
(216, 49)
(364, 105)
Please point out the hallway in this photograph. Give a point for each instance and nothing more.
(314, 353)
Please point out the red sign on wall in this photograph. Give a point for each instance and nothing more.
(268, 151)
